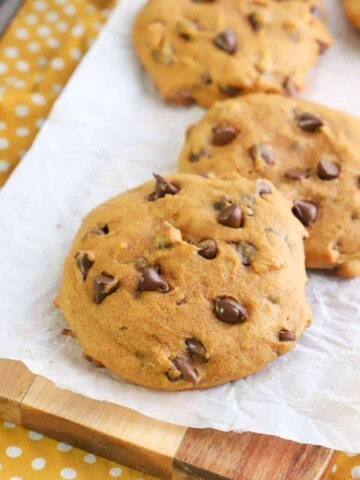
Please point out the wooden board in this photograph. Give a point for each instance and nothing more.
(162, 449)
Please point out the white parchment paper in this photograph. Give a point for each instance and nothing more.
(108, 131)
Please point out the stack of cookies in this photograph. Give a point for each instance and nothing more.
(198, 278)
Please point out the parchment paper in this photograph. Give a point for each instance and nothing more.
(108, 131)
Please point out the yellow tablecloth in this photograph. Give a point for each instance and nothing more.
(37, 55)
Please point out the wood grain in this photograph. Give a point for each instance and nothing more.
(164, 450)
(117, 433)
(15, 381)
(213, 455)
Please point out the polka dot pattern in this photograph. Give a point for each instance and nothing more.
(28, 455)
(38, 54)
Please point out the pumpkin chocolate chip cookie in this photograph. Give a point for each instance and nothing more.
(201, 51)
(310, 152)
(187, 282)
(352, 11)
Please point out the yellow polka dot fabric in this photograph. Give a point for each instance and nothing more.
(38, 53)
(26, 455)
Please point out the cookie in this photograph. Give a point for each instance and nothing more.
(201, 51)
(352, 11)
(310, 152)
(187, 282)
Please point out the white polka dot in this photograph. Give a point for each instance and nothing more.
(35, 436)
(19, 83)
(57, 88)
(75, 53)
(70, 10)
(68, 473)
(38, 99)
(51, 16)
(78, 30)
(9, 425)
(16, 478)
(334, 469)
(349, 454)
(4, 167)
(60, 2)
(89, 458)
(38, 463)
(53, 42)
(21, 33)
(62, 27)
(43, 31)
(22, 66)
(31, 19)
(3, 125)
(40, 5)
(22, 110)
(4, 143)
(115, 472)
(22, 131)
(3, 68)
(33, 47)
(355, 472)
(63, 447)
(11, 52)
(57, 63)
(39, 122)
(42, 61)
(13, 452)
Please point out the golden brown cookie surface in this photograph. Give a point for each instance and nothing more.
(204, 51)
(187, 282)
(310, 152)
(352, 11)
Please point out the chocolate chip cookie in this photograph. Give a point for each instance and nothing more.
(187, 282)
(352, 11)
(201, 51)
(310, 152)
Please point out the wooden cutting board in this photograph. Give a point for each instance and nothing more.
(162, 449)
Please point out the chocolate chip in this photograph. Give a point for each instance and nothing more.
(207, 248)
(162, 188)
(231, 91)
(263, 188)
(290, 89)
(196, 348)
(184, 96)
(96, 363)
(67, 332)
(104, 285)
(231, 217)
(323, 47)
(223, 134)
(151, 281)
(84, 262)
(262, 151)
(206, 78)
(99, 230)
(188, 372)
(229, 310)
(297, 173)
(308, 122)
(328, 170)
(195, 157)
(226, 41)
(306, 212)
(246, 252)
(286, 336)
(255, 22)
